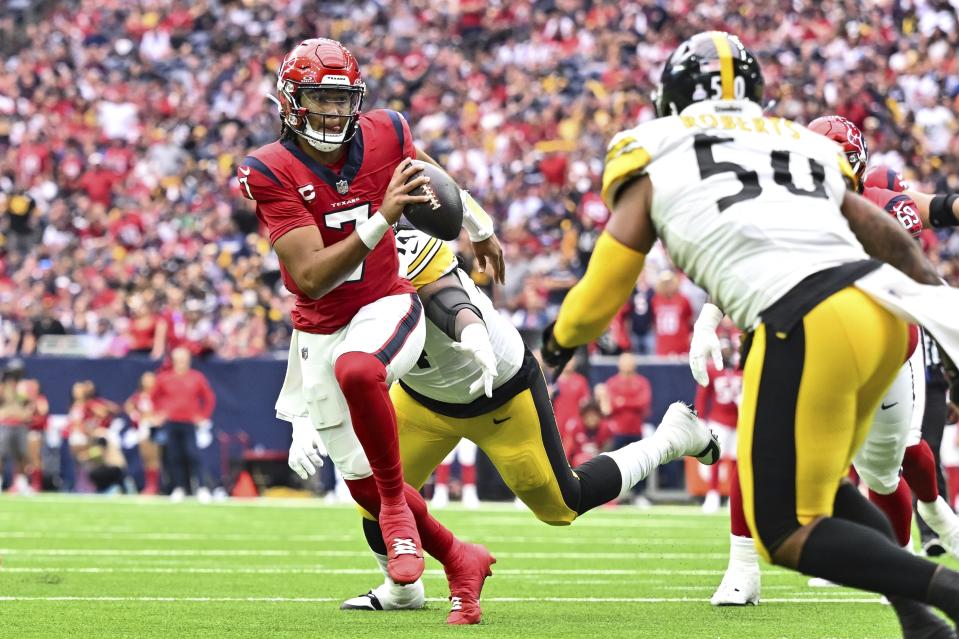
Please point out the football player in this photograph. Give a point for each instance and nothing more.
(329, 191)
(475, 380)
(894, 441)
(769, 224)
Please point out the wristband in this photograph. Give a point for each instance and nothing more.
(476, 221)
(373, 230)
(940, 211)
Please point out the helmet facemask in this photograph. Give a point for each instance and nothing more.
(323, 115)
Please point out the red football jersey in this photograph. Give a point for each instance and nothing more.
(899, 205)
(673, 318)
(718, 402)
(291, 190)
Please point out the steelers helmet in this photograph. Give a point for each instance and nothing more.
(712, 65)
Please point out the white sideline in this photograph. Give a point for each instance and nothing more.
(320, 570)
(641, 600)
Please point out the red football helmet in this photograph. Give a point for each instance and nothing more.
(320, 80)
(839, 129)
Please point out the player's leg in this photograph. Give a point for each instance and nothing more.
(424, 440)
(741, 582)
(381, 343)
(878, 460)
(523, 442)
(809, 397)
(441, 482)
(466, 454)
(932, 430)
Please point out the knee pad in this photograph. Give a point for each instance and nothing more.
(356, 371)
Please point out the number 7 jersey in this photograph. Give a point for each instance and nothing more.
(746, 205)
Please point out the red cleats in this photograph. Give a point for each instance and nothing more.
(466, 574)
(404, 552)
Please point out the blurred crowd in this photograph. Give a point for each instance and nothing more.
(120, 122)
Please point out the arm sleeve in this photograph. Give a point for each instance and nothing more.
(277, 206)
(594, 301)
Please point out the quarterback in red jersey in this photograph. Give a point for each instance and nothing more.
(329, 191)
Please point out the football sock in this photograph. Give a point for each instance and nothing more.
(362, 378)
(919, 469)
(855, 548)
(437, 540)
(742, 554)
(897, 506)
(374, 539)
(737, 517)
(467, 474)
(600, 481)
(637, 460)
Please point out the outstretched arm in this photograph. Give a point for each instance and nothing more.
(937, 211)
(886, 240)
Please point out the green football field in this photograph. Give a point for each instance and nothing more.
(139, 567)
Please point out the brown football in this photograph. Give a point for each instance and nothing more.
(442, 216)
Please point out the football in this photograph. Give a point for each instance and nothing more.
(442, 215)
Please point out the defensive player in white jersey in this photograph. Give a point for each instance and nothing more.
(762, 214)
(896, 427)
(476, 380)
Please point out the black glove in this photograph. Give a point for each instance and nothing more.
(554, 355)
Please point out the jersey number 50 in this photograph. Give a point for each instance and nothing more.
(708, 166)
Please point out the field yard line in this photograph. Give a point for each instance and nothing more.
(319, 570)
(273, 552)
(591, 600)
(107, 535)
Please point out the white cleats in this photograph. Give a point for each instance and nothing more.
(687, 435)
(738, 588)
(389, 596)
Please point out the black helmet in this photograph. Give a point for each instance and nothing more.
(712, 65)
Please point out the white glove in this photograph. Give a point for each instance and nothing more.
(306, 450)
(474, 340)
(705, 343)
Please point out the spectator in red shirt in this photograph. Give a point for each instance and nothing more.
(572, 390)
(628, 397)
(587, 435)
(183, 400)
(672, 317)
(98, 181)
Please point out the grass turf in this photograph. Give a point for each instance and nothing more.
(139, 567)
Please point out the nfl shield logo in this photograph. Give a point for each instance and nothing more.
(342, 187)
(304, 353)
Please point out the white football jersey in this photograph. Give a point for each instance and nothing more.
(746, 205)
(442, 373)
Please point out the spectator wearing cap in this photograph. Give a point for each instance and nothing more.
(183, 401)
